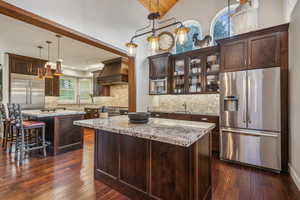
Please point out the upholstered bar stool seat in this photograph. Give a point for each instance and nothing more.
(33, 124)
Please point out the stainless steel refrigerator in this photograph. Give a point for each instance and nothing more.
(250, 117)
(27, 91)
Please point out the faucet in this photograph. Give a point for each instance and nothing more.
(185, 106)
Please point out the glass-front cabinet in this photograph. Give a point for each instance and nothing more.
(195, 64)
(193, 72)
(178, 74)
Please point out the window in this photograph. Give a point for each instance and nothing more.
(67, 89)
(71, 87)
(219, 26)
(243, 20)
(85, 88)
(195, 28)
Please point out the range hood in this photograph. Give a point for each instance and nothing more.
(115, 72)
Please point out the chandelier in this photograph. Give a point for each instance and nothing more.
(153, 40)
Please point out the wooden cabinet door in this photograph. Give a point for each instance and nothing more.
(48, 87)
(159, 66)
(234, 56)
(55, 86)
(264, 51)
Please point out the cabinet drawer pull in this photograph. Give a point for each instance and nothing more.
(204, 119)
(157, 115)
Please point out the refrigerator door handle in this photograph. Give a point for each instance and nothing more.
(248, 113)
(249, 132)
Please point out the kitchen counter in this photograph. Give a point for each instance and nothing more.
(60, 131)
(182, 133)
(43, 114)
(186, 113)
(164, 159)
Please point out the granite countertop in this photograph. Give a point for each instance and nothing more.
(187, 113)
(177, 132)
(40, 114)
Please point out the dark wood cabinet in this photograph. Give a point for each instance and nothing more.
(98, 89)
(25, 65)
(257, 49)
(264, 51)
(196, 72)
(159, 65)
(91, 113)
(234, 55)
(146, 169)
(52, 86)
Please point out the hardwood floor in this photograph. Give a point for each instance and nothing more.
(70, 176)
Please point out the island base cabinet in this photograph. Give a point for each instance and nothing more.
(146, 169)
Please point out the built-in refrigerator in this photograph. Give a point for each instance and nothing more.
(250, 117)
(27, 91)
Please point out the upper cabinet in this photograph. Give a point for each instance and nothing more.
(234, 55)
(159, 74)
(159, 65)
(52, 85)
(25, 65)
(257, 49)
(193, 72)
(264, 51)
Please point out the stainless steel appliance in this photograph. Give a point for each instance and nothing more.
(250, 117)
(27, 91)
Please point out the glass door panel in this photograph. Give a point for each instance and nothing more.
(178, 86)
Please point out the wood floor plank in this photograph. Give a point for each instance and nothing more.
(69, 176)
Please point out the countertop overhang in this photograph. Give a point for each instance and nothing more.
(177, 132)
(41, 114)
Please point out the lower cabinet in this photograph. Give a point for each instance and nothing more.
(146, 169)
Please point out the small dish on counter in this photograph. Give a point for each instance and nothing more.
(138, 117)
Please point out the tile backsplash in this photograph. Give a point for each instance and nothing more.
(204, 103)
(118, 97)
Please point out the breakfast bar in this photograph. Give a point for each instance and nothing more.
(162, 159)
(60, 131)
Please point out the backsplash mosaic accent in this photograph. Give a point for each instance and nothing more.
(206, 104)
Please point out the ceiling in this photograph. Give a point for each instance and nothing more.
(21, 38)
(164, 5)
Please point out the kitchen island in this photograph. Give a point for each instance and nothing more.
(60, 131)
(164, 159)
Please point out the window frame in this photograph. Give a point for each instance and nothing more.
(219, 14)
(77, 91)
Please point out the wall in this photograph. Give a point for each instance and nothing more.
(118, 97)
(294, 83)
(270, 13)
(288, 7)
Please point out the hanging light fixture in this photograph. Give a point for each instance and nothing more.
(40, 72)
(58, 71)
(48, 73)
(153, 40)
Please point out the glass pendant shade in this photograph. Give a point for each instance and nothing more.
(131, 48)
(181, 34)
(58, 71)
(48, 73)
(153, 42)
(40, 75)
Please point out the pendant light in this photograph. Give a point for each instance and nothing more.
(58, 71)
(48, 73)
(153, 43)
(40, 72)
(154, 20)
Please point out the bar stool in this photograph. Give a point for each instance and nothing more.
(4, 122)
(24, 129)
